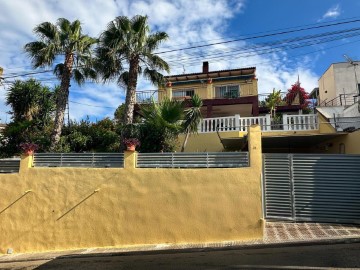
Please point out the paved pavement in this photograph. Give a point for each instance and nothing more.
(293, 232)
(276, 234)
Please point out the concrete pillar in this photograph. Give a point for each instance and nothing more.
(130, 158)
(26, 162)
(168, 90)
(255, 151)
(209, 89)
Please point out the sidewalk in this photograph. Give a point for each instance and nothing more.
(276, 234)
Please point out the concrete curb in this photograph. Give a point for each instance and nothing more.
(186, 249)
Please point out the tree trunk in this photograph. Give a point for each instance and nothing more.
(131, 91)
(61, 101)
(185, 141)
(130, 97)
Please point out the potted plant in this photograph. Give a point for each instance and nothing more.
(131, 143)
(28, 148)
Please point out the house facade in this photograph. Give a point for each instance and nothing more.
(232, 104)
(224, 92)
(339, 85)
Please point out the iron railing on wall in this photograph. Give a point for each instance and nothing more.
(193, 160)
(95, 160)
(10, 165)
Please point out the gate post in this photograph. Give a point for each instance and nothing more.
(255, 150)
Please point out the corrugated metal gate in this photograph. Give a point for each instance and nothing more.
(312, 187)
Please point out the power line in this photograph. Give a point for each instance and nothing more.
(279, 46)
(90, 105)
(262, 32)
(260, 36)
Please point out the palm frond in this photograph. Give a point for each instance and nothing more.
(153, 76)
(78, 76)
(193, 114)
(154, 40)
(59, 70)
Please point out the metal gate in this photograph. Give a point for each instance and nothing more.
(312, 187)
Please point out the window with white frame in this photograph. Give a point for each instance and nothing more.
(227, 91)
(183, 93)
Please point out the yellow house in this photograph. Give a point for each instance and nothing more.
(231, 104)
(224, 92)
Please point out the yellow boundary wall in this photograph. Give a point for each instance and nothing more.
(44, 209)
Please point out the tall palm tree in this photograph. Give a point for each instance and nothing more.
(128, 42)
(63, 39)
(193, 117)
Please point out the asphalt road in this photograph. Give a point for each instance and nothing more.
(334, 256)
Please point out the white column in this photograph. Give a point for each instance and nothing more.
(284, 122)
(237, 122)
(268, 122)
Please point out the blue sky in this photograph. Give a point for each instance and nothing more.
(190, 23)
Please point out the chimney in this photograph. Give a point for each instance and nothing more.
(206, 67)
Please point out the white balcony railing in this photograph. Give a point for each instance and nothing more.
(300, 122)
(237, 123)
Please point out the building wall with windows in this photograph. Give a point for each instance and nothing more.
(213, 90)
(339, 79)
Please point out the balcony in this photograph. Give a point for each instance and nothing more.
(301, 122)
(341, 100)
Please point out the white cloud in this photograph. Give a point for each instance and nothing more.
(187, 23)
(331, 13)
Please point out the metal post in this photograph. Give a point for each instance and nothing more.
(292, 190)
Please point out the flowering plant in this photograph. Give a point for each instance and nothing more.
(132, 141)
(26, 147)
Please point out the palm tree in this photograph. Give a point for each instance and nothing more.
(161, 125)
(63, 39)
(273, 100)
(128, 42)
(192, 118)
(30, 100)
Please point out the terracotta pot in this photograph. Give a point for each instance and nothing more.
(29, 152)
(131, 147)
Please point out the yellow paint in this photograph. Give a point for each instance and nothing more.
(327, 89)
(208, 142)
(130, 159)
(348, 142)
(71, 208)
(168, 91)
(26, 163)
(324, 125)
(207, 90)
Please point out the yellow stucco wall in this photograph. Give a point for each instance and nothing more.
(207, 142)
(207, 91)
(345, 144)
(324, 125)
(327, 89)
(67, 208)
